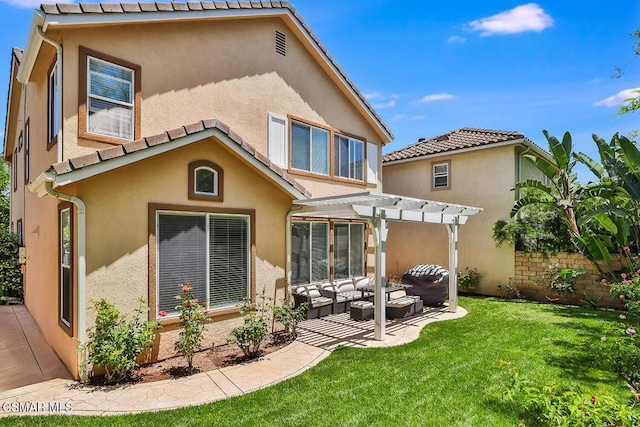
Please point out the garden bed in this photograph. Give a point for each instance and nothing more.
(205, 360)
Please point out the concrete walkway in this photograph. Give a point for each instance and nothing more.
(26, 357)
(317, 338)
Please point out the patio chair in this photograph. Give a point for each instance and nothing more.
(318, 305)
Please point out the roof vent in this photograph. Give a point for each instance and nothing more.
(422, 139)
(444, 137)
(281, 43)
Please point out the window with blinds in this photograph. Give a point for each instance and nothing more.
(209, 251)
(348, 250)
(309, 252)
(110, 99)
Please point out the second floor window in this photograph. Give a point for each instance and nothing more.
(441, 175)
(348, 157)
(53, 115)
(110, 92)
(309, 148)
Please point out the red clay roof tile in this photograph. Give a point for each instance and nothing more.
(455, 140)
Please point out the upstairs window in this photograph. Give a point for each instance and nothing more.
(348, 159)
(109, 98)
(14, 163)
(309, 148)
(440, 178)
(26, 152)
(205, 181)
(53, 106)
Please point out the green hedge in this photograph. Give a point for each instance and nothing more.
(10, 272)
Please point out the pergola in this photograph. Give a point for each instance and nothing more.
(379, 210)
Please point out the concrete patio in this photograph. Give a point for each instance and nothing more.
(317, 338)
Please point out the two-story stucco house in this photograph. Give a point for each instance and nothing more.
(477, 167)
(154, 144)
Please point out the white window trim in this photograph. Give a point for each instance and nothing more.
(90, 96)
(350, 161)
(52, 104)
(62, 266)
(215, 181)
(208, 308)
(435, 175)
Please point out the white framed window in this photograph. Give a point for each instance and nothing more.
(348, 157)
(110, 99)
(53, 113)
(210, 251)
(309, 148)
(205, 181)
(65, 265)
(309, 251)
(440, 175)
(348, 250)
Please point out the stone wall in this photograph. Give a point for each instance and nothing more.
(529, 279)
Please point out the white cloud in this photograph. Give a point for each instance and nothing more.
(391, 103)
(404, 117)
(30, 3)
(527, 17)
(372, 95)
(456, 39)
(436, 97)
(618, 99)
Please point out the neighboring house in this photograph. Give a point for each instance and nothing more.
(154, 144)
(475, 167)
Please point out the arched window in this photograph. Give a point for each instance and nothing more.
(205, 181)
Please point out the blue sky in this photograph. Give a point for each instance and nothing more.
(433, 66)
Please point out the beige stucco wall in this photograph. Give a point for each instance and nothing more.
(118, 230)
(39, 215)
(227, 70)
(481, 178)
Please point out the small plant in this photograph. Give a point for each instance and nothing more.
(551, 405)
(562, 280)
(115, 342)
(290, 317)
(621, 348)
(469, 279)
(192, 321)
(254, 329)
(392, 278)
(510, 290)
(627, 290)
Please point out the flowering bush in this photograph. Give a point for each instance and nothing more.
(621, 349)
(290, 317)
(510, 291)
(627, 290)
(469, 278)
(551, 405)
(115, 342)
(562, 280)
(254, 329)
(192, 321)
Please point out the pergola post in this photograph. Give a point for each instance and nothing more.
(381, 227)
(453, 264)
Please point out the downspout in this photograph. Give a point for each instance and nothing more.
(58, 47)
(82, 269)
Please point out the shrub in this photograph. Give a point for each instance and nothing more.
(469, 279)
(510, 291)
(254, 329)
(115, 342)
(621, 349)
(290, 317)
(552, 405)
(627, 290)
(562, 280)
(192, 321)
(10, 269)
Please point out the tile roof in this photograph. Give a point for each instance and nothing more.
(195, 6)
(17, 53)
(455, 140)
(125, 149)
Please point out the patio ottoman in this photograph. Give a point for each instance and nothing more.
(361, 310)
(404, 307)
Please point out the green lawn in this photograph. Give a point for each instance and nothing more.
(448, 377)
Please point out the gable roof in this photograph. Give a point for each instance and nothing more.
(70, 14)
(459, 139)
(100, 161)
